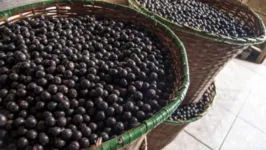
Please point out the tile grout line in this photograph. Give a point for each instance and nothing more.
(229, 110)
(250, 91)
(235, 115)
(227, 133)
(234, 120)
(251, 70)
(251, 125)
(198, 140)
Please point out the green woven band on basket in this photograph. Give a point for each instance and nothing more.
(135, 133)
(220, 38)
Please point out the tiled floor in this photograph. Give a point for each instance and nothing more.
(237, 120)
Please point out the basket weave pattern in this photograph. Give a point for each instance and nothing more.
(208, 52)
(166, 132)
(68, 8)
(206, 59)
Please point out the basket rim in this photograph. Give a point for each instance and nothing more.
(147, 125)
(200, 33)
(200, 115)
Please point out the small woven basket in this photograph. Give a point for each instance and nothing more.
(207, 52)
(68, 8)
(166, 132)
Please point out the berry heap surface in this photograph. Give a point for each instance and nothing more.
(65, 82)
(199, 15)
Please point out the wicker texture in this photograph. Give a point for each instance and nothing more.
(207, 52)
(166, 132)
(206, 59)
(139, 144)
(122, 2)
(68, 8)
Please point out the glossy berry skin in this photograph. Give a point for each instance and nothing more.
(55, 131)
(105, 136)
(31, 134)
(43, 139)
(84, 142)
(31, 122)
(65, 82)
(77, 119)
(192, 110)
(38, 147)
(59, 143)
(22, 142)
(50, 121)
(66, 134)
(119, 127)
(76, 135)
(74, 145)
(208, 18)
(3, 120)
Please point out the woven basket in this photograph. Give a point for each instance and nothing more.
(122, 2)
(68, 8)
(208, 53)
(139, 144)
(166, 132)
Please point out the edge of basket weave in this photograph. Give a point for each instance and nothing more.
(200, 115)
(133, 134)
(203, 34)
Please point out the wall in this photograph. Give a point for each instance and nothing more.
(258, 6)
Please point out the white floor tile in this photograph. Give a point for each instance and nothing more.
(235, 77)
(185, 142)
(254, 110)
(258, 68)
(244, 137)
(231, 100)
(213, 127)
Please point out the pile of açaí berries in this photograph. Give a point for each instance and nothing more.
(65, 82)
(193, 110)
(199, 15)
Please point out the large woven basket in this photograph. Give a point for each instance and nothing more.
(207, 52)
(166, 132)
(68, 8)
